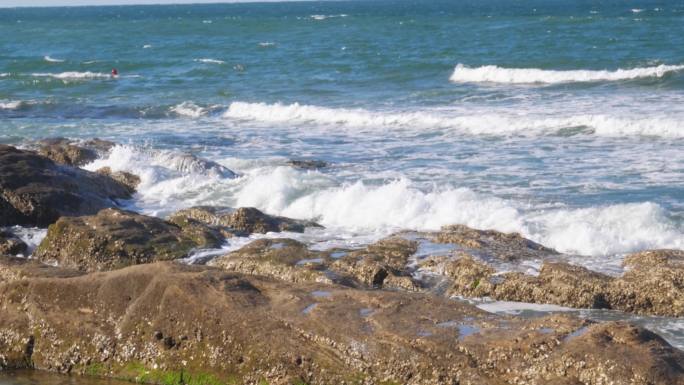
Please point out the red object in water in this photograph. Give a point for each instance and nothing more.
(115, 72)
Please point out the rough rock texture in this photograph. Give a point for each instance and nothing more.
(73, 153)
(307, 164)
(652, 285)
(127, 179)
(13, 268)
(284, 259)
(242, 221)
(34, 191)
(115, 238)
(170, 323)
(10, 244)
(502, 246)
(380, 265)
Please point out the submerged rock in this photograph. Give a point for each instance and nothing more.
(190, 164)
(10, 244)
(115, 238)
(162, 322)
(242, 221)
(34, 191)
(307, 164)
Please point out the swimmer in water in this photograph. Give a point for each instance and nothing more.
(115, 73)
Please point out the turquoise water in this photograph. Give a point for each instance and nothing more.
(561, 120)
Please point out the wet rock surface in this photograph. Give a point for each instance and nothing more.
(165, 320)
(495, 244)
(379, 265)
(130, 181)
(651, 285)
(73, 153)
(34, 191)
(242, 221)
(116, 238)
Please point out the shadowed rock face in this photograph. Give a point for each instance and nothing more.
(152, 322)
(115, 238)
(10, 244)
(242, 221)
(34, 191)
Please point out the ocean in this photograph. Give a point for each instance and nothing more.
(561, 120)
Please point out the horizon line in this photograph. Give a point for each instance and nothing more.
(178, 2)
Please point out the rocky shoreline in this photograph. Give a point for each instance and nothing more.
(107, 294)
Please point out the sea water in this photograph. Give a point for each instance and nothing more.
(561, 120)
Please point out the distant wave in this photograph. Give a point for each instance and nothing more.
(11, 105)
(71, 75)
(52, 60)
(266, 44)
(210, 61)
(323, 17)
(487, 124)
(496, 74)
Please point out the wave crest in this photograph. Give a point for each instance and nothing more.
(496, 74)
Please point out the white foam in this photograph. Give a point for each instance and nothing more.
(47, 58)
(637, 10)
(146, 46)
(479, 123)
(266, 44)
(210, 61)
(189, 109)
(358, 207)
(496, 74)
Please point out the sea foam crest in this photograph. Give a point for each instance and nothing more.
(11, 105)
(210, 61)
(496, 74)
(73, 75)
(189, 109)
(477, 124)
